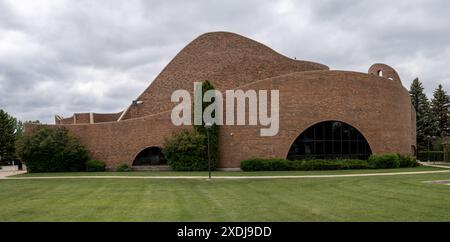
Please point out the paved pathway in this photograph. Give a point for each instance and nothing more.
(8, 175)
(230, 177)
(435, 165)
(4, 174)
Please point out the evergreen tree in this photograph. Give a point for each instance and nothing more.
(7, 137)
(425, 123)
(440, 109)
(214, 130)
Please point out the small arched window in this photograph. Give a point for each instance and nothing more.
(151, 156)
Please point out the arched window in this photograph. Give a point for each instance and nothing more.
(330, 140)
(151, 156)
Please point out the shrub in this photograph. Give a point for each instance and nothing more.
(343, 164)
(95, 166)
(186, 151)
(123, 168)
(354, 164)
(257, 164)
(408, 161)
(375, 162)
(52, 150)
(277, 164)
(384, 161)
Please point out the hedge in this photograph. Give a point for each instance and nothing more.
(311, 165)
(278, 164)
(257, 164)
(430, 156)
(375, 162)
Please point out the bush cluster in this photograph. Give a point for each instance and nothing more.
(375, 162)
(95, 166)
(123, 168)
(278, 164)
(343, 164)
(384, 161)
(52, 150)
(408, 161)
(392, 161)
(186, 151)
(258, 164)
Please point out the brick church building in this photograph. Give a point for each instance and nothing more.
(323, 113)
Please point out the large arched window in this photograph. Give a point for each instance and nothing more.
(151, 156)
(330, 140)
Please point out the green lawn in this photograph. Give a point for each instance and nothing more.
(229, 173)
(385, 198)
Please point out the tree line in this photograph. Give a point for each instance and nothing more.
(11, 130)
(432, 116)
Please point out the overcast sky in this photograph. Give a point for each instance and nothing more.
(61, 57)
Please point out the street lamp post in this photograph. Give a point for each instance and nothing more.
(208, 127)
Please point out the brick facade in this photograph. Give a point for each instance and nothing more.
(375, 103)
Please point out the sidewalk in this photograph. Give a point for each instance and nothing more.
(434, 165)
(4, 174)
(231, 177)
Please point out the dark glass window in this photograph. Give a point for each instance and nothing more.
(327, 127)
(330, 140)
(150, 156)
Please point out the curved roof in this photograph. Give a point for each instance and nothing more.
(226, 59)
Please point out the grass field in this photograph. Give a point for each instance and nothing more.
(386, 198)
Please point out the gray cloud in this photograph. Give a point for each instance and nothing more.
(60, 57)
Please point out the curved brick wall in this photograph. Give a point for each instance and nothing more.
(378, 107)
